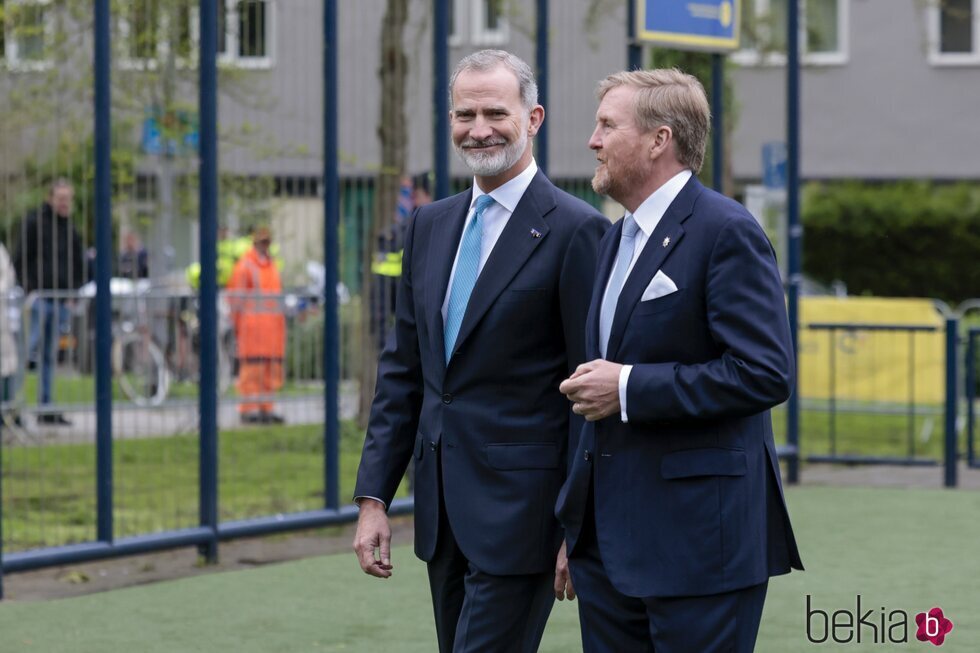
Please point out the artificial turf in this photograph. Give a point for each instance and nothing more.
(908, 550)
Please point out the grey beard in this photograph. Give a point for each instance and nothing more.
(490, 165)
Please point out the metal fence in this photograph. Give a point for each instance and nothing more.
(212, 118)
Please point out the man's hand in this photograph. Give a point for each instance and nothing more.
(563, 580)
(373, 534)
(593, 389)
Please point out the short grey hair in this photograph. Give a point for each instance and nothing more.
(486, 60)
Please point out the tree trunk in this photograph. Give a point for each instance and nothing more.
(393, 137)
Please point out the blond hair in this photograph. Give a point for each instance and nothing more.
(668, 97)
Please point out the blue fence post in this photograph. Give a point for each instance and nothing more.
(971, 393)
(541, 57)
(718, 122)
(634, 51)
(331, 225)
(440, 96)
(952, 340)
(794, 230)
(103, 272)
(208, 307)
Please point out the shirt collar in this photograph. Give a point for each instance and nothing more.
(509, 194)
(649, 213)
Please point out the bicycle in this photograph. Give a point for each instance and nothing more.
(144, 368)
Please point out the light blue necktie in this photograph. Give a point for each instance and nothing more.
(627, 243)
(467, 270)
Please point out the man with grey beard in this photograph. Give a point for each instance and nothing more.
(490, 318)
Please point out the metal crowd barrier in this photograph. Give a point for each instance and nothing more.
(271, 477)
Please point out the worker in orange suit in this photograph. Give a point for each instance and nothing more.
(260, 329)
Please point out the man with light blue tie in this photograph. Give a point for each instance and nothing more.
(673, 509)
(490, 318)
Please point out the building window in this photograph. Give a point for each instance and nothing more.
(954, 27)
(26, 33)
(823, 32)
(489, 22)
(150, 28)
(245, 33)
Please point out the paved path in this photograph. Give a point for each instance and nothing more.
(173, 418)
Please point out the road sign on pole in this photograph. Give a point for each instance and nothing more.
(709, 25)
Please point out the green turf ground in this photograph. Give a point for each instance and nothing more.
(899, 549)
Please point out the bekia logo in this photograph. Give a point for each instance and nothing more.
(933, 626)
(877, 626)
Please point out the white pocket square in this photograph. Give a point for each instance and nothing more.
(660, 286)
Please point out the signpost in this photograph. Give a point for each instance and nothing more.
(710, 25)
(705, 25)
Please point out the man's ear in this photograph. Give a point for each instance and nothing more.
(661, 140)
(535, 120)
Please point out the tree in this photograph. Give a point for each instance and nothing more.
(393, 137)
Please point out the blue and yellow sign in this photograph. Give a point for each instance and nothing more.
(711, 25)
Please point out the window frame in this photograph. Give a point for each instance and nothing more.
(951, 59)
(456, 24)
(229, 58)
(10, 57)
(840, 57)
(480, 34)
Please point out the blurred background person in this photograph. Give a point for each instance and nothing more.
(260, 329)
(50, 261)
(133, 259)
(8, 344)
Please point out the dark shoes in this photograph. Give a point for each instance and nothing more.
(53, 419)
(262, 418)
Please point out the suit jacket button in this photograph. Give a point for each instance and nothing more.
(588, 456)
(432, 445)
(447, 398)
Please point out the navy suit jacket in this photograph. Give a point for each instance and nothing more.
(494, 413)
(687, 495)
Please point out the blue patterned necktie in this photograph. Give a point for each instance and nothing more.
(467, 270)
(627, 243)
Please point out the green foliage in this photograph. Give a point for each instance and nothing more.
(909, 238)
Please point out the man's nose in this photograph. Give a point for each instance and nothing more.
(481, 129)
(594, 141)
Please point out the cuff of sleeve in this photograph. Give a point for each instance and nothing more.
(624, 378)
(357, 501)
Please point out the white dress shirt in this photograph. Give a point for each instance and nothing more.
(648, 216)
(495, 218)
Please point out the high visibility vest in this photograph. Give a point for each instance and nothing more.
(389, 266)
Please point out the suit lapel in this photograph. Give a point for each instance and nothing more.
(662, 242)
(445, 241)
(513, 248)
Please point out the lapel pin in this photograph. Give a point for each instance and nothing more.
(535, 233)
(666, 241)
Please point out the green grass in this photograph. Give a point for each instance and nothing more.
(862, 430)
(49, 491)
(900, 549)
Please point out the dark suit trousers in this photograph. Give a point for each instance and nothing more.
(476, 611)
(613, 622)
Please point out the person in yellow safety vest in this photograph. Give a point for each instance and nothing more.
(229, 251)
(414, 192)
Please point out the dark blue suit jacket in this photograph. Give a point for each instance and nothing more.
(494, 412)
(687, 495)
